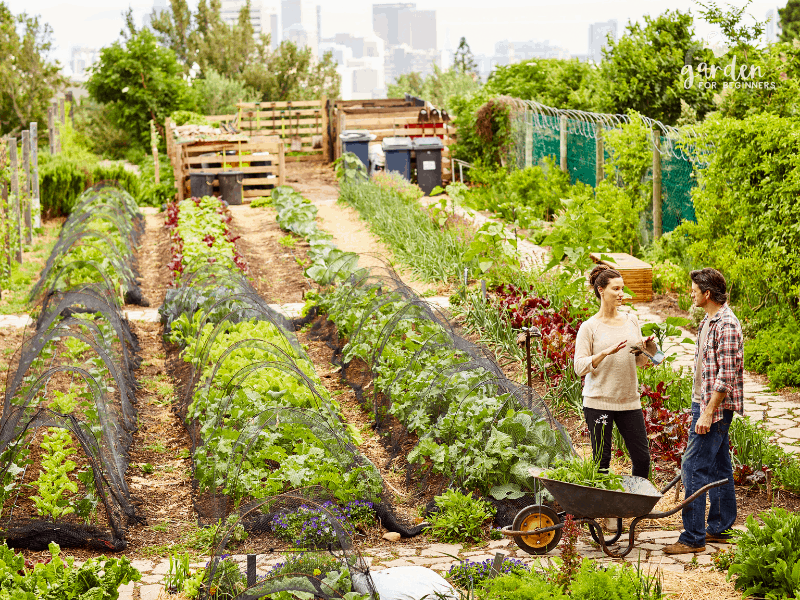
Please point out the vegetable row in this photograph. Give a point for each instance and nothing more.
(260, 420)
(69, 407)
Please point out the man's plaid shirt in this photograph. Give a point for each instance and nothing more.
(722, 364)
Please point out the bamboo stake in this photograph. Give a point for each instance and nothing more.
(12, 155)
(26, 166)
(657, 228)
(563, 144)
(35, 204)
(51, 134)
(154, 150)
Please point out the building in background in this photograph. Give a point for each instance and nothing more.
(81, 58)
(598, 38)
(409, 36)
(159, 6)
(507, 53)
(360, 63)
(300, 22)
(263, 15)
(771, 28)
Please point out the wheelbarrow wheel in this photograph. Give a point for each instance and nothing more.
(535, 517)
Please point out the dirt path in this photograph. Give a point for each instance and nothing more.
(317, 182)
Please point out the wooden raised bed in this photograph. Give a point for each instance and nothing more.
(637, 274)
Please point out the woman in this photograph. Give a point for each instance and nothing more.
(611, 387)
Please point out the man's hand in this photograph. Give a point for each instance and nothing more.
(703, 423)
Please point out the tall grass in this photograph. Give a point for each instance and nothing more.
(431, 253)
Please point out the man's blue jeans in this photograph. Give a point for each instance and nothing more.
(707, 459)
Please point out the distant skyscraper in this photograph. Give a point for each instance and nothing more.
(598, 38)
(386, 20)
(770, 28)
(159, 6)
(299, 23)
(81, 59)
(261, 12)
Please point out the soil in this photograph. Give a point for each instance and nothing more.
(164, 495)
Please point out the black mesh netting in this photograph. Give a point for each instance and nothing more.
(449, 415)
(317, 556)
(259, 419)
(69, 404)
(96, 243)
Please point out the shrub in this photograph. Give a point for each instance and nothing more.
(596, 582)
(517, 586)
(767, 556)
(776, 352)
(460, 517)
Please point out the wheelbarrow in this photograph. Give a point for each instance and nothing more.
(537, 528)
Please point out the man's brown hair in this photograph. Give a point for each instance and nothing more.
(711, 280)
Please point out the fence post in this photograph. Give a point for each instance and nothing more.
(528, 142)
(600, 157)
(35, 203)
(326, 151)
(51, 133)
(26, 167)
(61, 114)
(14, 165)
(154, 150)
(6, 226)
(563, 149)
(71, 100)
(656, 186)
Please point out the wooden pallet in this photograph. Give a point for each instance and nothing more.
(637, 274)
(191, 160)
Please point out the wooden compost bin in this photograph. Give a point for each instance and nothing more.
(302, 126)
(637, 274)
(389, 118)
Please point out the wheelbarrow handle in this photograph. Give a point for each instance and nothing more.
(688, 500)
(671, 484)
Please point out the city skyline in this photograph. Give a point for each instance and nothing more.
(519, 24)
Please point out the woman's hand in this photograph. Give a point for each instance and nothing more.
(614, 350)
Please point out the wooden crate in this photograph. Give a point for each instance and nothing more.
(303, 119)
(191, 160)
(637, 274)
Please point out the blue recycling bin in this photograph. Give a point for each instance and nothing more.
(397, 151)
(357, 142)
(428, 152)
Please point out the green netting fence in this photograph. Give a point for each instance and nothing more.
(537, 134)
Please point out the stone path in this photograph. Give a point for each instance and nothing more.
(779, 415)
(439, 557)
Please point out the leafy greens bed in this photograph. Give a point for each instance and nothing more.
(262, 421)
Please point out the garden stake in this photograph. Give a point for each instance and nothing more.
(528, 356)
(497, 563)
(483, 289)
(251, 570)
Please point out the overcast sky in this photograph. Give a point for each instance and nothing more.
(97, 23)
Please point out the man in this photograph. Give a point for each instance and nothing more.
(718, 392)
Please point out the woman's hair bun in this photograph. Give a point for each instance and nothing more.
(598, 269)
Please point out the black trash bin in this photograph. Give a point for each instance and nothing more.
(230, 186)
(429, 163)
(201, 184)
(357, 142)
(398, 155)
(260, 162)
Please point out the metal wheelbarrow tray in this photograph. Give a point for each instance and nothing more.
(537, 528)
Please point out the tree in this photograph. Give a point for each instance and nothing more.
(291, 73)
(437, 88)
(551, 81)
(218, 95)
(139, 81)
(174, 30)
(463, 60)
(740, 36)
(407, 83)
(27, 79)
(789, 21)
(642, 70)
